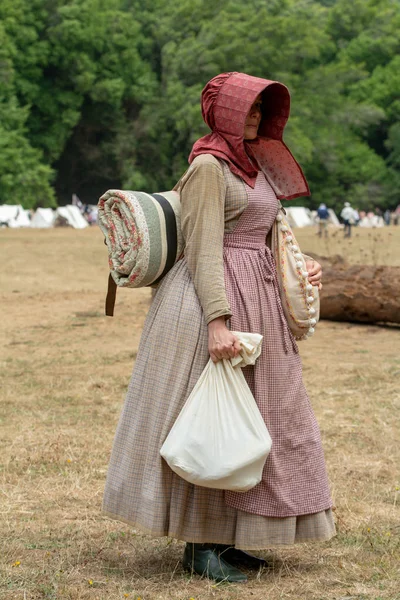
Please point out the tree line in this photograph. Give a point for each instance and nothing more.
(98, 94)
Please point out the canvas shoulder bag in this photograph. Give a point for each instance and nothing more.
(300, 299)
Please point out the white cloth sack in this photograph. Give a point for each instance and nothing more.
(219, 439)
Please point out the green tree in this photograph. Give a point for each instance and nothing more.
(106, 93)
(25, 178)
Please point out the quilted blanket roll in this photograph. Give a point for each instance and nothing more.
(143, 235)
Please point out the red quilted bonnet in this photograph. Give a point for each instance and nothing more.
(226, 102)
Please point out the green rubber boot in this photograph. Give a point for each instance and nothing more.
(234, 556)
(205, 561)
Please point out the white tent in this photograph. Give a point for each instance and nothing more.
(13, 215)
(7, 212)
(299, 216)
(372, 221)
(43, 218)
(73, 216)
(333, 217)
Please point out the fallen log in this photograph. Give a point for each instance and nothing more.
(359, 293)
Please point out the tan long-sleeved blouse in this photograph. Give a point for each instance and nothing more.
(212, 200)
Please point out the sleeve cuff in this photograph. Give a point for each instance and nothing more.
(219, 313)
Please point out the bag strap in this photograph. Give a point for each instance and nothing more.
(111, 295)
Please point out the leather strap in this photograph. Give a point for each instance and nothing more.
(111, 294)
(172, 234)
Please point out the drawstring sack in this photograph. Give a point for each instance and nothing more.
(219, 439)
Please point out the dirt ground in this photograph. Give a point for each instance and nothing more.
(64, 369)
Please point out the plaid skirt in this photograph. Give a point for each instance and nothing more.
(292, 502)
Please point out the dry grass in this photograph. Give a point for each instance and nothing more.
(64, 372)
(379, 246)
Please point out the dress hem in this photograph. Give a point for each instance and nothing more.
(199, 540)
(312, 511)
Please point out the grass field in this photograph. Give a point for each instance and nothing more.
(63, 376)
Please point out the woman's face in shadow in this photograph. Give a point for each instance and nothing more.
(253, 119)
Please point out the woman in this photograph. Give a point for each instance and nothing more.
(226, 281)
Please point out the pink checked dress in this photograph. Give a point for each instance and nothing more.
(292, 503)
(276, 379)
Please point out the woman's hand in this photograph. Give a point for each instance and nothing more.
(314, 270)
(221, 342)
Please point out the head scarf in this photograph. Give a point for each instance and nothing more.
(226, 101)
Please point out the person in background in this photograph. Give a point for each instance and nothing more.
(347, 215)
(387, 216)
(323, 220)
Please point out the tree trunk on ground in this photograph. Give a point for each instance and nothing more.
(359, 293)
